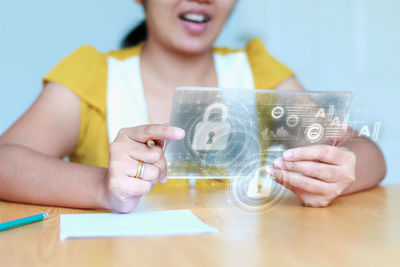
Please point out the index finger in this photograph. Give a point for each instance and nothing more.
(155, 132)
(322, 153)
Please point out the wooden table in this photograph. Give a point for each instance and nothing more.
(357, 230)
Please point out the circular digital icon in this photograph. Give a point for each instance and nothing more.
(278, 113)
(254, 191)
(314, 132)
(292, 121)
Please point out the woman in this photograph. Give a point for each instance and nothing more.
(89, 97)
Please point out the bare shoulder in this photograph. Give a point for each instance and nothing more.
(51, 125)
(290, 84)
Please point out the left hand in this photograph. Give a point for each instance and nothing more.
(325, 172)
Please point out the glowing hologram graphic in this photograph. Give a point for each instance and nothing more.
(229, 131)
(277, 113)
(314, 132)
(257, 192)
(292, 121)
(212, 133)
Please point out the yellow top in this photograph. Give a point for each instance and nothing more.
(85, 73)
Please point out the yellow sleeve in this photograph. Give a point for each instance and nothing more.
(84, 72)
(267, 71)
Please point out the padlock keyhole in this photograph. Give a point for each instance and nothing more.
(211, 136)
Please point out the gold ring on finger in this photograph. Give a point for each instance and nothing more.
(139, 171)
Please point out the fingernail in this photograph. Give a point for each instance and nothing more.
(269, 170)
(288, 154)
(278, 162)
(179, 133)
(164, 180)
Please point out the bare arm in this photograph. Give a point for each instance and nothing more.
(31, 152)
(370, 166)
(32, 169)
(29, 176)
(370, 162)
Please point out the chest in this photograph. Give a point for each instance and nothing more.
(159, 93)
(133, 100)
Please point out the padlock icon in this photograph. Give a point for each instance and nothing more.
(212, 134)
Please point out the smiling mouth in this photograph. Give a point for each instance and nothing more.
(195, 18)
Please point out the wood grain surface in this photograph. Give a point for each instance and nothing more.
(356, 230)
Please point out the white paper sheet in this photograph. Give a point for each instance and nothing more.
(174, 222)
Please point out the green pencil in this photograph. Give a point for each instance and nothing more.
(24, 221)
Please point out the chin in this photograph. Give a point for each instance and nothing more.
(193, 46)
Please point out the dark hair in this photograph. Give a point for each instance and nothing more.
(136, 36)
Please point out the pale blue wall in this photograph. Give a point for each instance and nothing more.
(331, 45)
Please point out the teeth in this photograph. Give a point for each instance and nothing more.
(195, 17)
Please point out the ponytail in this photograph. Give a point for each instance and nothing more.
(136, 36)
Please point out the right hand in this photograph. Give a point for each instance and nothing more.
(123, 189)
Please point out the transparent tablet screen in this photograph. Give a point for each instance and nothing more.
(232, 132)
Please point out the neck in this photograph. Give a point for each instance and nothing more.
(173, 68)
